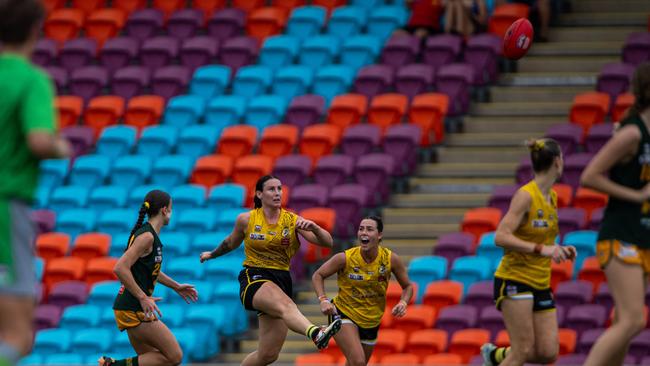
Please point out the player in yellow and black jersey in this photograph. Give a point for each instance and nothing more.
(363, 275)
(523, 279)
(139, 270)
(270, 235)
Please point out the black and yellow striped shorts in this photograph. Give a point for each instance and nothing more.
(252, 278)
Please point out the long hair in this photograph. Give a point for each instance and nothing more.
(153, 202)
(259, 186)
(640, 90)
(543, 153)
(18, 18)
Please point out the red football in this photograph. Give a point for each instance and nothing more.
(518, 39)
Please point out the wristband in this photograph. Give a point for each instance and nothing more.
(404, 302)
(538, 248)
(323, 298)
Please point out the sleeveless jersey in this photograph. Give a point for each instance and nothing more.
(145, 272)
(540, 225)
(362, 287)
(623, 220)
(270, 246)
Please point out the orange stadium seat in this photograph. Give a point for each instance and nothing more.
(248, 5)
(443, 359)
(144, 110)
(102, 111)
(130, 6)
(564, 194)
(394, 293)
(319, 140)
(417, 317)
(387, 319)
(212, 170)
(100, 269)
(443, 293)
(87, 6)
(208, 6)
(479, 221)
(387, 110)
(63, 269)
(567, 339)
(591, 272)
(502, 339)
(325, 218)
(64, 24)
(333, 349)
(266, 21)
(288, 4)
(588, 109)
(315, 359)
(427, 342)
(329, 4)
(278, 140)
(51, 5)
(399, 359)
(428, 111)
(467, 342)
(168, 6)
(589, 200)
(390, 341)
(69, 108)
(248, 169)
(504, 15)
(103, 24)
(623, 102)
(561, 272)
(347, 109)
(52, 245)
(91, 245)
(237, 141)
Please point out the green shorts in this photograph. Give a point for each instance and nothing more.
(17, 276)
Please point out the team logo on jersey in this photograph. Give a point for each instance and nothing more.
(286, 240)
(382, 269)
(254, 236)
(355, 277)
(355, 269)
(272, 233)
(258, 227)
(540, 213)
(540, 224)
(627, 251)
(285, 232)
(511, 290)
(158, 258)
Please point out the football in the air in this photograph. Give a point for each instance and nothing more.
(518, 39)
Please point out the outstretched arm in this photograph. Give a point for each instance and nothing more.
(232, 241)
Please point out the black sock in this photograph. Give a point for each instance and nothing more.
(133, 361)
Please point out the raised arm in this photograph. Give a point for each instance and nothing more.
(314, 233)
(399, 270)
(334, 264)
(232, 241)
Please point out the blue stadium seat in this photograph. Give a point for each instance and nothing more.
(91, 341)
(171, 170)
(107, 319)
(488, 249)
(116, 141)
(161, 291)
(39, 268)
(119, 242)
(320, 51)
(188, 196)
(78, 317)
(306, 21)
(208, 321)
(121, 343)
(185, 270)
(385, 19)
(206, 292)
(184, 110)
(129, 171)
(68, 197)
(367, 4)
(75, 222)
(53, 172)
(196, 221)
(360, 50)
(226, 218)
(223, 269)
(50, 341)
(90, 170)
(157, 141)
(31, 360)
(585, 243)
(116, 221)
(63, 359)
(107, 197)
(173, 313)
(205, 242)
(227, 195)
(236, 317)
(198, 140)
(426, 269)
(347, 21)
(225, 110)
(42, 196)
(265, 110)
(279, 51)
(292, 81)
(136, 197)
(187, 339)
(333, 80)
(210, 80)
(176, 244)
(103, 294)
(252, 81)
(470, 269)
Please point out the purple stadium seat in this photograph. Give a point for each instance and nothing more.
(457, 317)
(68, 293)
(59, 77)
(645, 361)
(455, 80)
(560, 311)
(568, 135)
(199, 51)
(414, 79)
(360, 139)
(573, 167)
(88, 82)
(573, 293)
(170, 81)
(305, 110)
(524, 171)
(226, 23)
(604, 297)
(348, 200)
(374, 79)
(442, 49)
(501, 196)
(184, 23)
(297, 269)
(637, 48)
(144, 24)
(333, 170)
(159, 51)
(402, 142)
(640, 346)
(130, 81)
(571, 219)
(47, 316)
(480, 294)
(400, 50)
(45, 52)
(584, 317)
(308, 196)
(587, 339)
(491, 319)
(374, 172)
(596, 218)
(597, 136)
(614, 79)
(77, 52)
(118, 52)
(482, 52)
(292, 169)
(571, 360)
(239, 51)
(81, 138)
(45, 220)
(454, 245)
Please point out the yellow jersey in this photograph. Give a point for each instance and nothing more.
(362, 287)
(270, 246)
(540, 225)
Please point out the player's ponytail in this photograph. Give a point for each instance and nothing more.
(259, 187)
(153, 202)
(640, 90)
(543, 153)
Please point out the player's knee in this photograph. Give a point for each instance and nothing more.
(522, 351)
(358, 360)
(175, 357)
(287, 307)
(633, 324)
(546, 356)
(267, 357)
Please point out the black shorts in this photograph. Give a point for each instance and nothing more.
(252, 278)
(542, 299)
(368, 336)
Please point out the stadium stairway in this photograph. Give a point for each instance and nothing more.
(488, 149)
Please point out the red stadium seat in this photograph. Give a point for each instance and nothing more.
(103, 111)
(561, 272)
(394, 293)
(100, 269)
(443, 293)
(564, 194)
(504, 15)
(399, 359)
(248, 169)
(427, 342)
(592, 272)
(443, 359)
(88, 6)
(502, 339)
(467, 342)
(51, 5)
(567, 339)
(315, 359)
(589, 200)
(52, 245)
(428, 111)
(144, 110)
(588, 109)
(129, 6)
(168, 6)
(63, 269)
(64, 24)
(266, 21)
(103, 24)
(387, 110)
(288, 4)
(91, 245)
(69, 108)
(325, 218)
(347, 109)
(390, 341)
(278, 140)
(208, 6)
(248, 5)
(623, 102)
(329, 4)
(418, 317)
(212, 170)
(479, 221)
(237, 141)
(319, 140)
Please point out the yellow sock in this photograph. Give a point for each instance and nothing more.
(312, 331)
(500, 354)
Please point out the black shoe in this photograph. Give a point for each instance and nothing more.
(323, 338)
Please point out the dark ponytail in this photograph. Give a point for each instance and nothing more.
(543, 153)
(259, 186)
(153, 202)
(640, 90)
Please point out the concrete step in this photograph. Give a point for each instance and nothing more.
(608, 6)
(629, 17)
(529, 124)
(576, 48)
(589, 63)
(498, 139)
(439, 200)
(510, 94)
(536, 108)
(418, 182)
(592, 34)
(423, 215)
(464, 170)
(480, 155)
(430, 231)
(535, 79)
(285, 359)
(290, 346)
